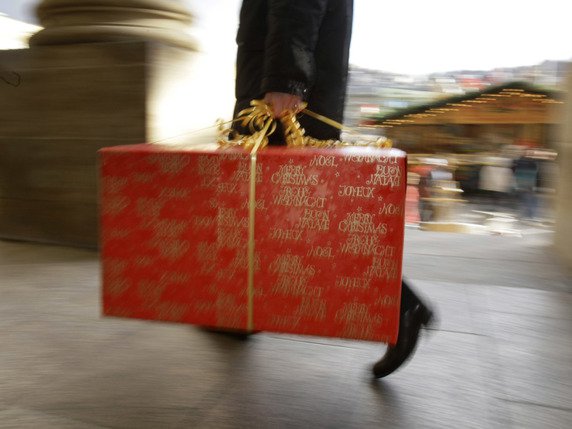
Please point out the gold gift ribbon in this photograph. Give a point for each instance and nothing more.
(260, 121)
(256, 116)
(261, 136)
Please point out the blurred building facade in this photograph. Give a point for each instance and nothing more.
(511, 114)
(379, 93)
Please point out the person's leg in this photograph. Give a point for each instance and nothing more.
(524, 204)
(533, 205)
(408, 297)
(414, 314)
(529, 204)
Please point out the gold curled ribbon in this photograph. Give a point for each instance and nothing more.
(255, 118)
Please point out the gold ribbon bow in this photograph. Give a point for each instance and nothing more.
(260, 121)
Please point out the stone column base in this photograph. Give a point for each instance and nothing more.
(70, 101)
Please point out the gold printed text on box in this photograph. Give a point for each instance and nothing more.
(328, 238)
(324, 212)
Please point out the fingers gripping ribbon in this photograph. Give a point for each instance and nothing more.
(259, 120)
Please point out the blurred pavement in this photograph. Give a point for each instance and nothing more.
(500, 357)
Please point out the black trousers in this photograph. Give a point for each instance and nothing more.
(408, 298)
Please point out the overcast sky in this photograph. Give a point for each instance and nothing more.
(412, 36)
(424, 36)
(419, 36)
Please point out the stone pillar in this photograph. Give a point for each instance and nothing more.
(88, 21)
(100, 73)
(563, 235)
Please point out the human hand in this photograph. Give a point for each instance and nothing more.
(281, 103)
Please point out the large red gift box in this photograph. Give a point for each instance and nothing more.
(326, 256)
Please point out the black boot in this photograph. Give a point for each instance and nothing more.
(414, 315)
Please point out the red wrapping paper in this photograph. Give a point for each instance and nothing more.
(328, 231)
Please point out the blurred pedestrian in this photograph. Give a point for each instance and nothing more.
(424, 188)
(433, 174)
(496, 180)
(291, 51)
(412, 210)
(526, 177)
